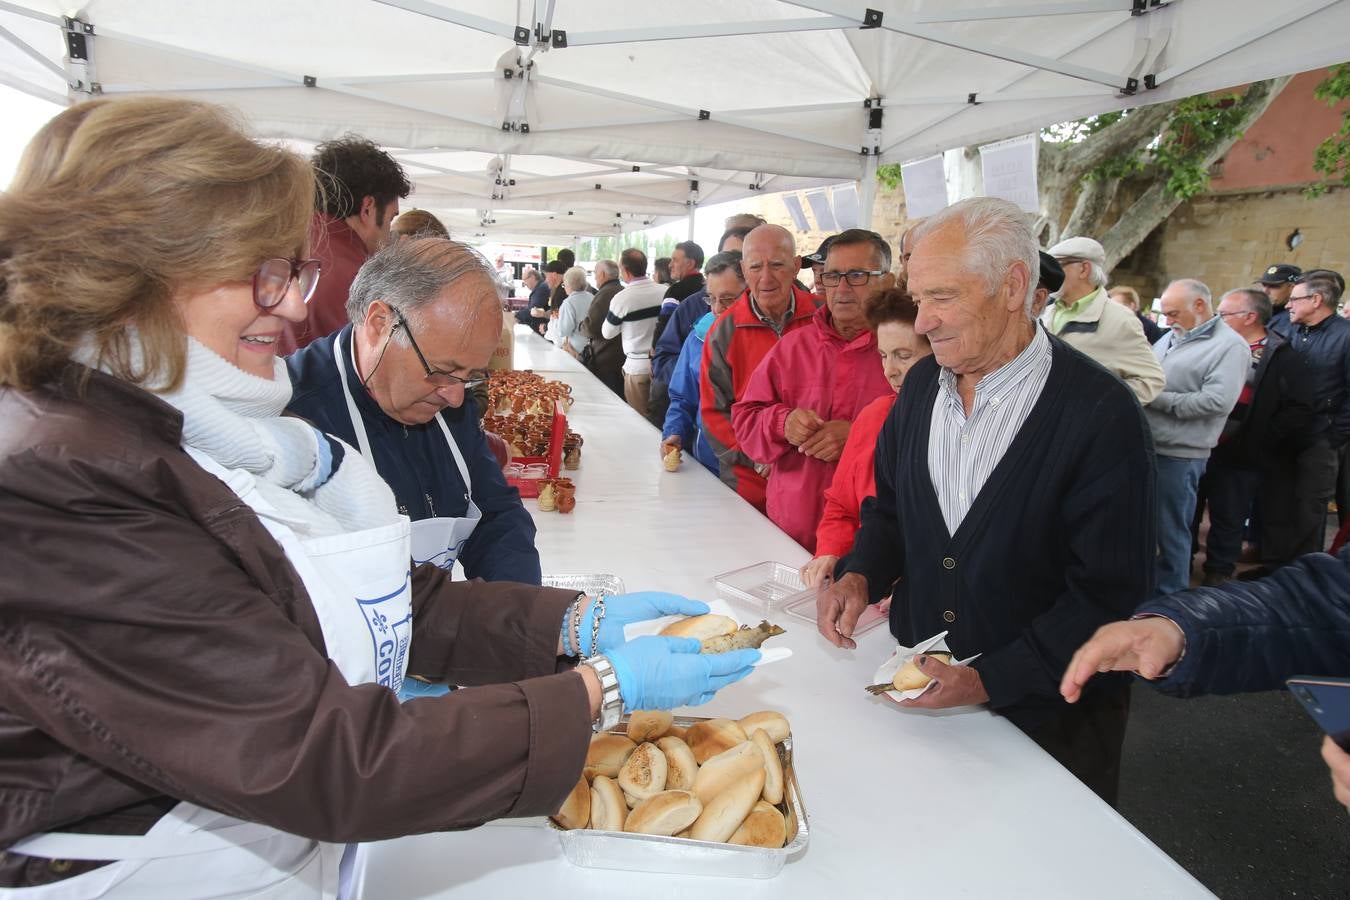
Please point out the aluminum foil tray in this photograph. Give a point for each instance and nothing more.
(609, 585)
(682, 856)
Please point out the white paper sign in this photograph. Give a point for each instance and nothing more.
(1010, 171)
(925, 187)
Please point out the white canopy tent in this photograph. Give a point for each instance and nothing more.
(563, 118)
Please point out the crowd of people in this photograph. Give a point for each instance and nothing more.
(249, 436)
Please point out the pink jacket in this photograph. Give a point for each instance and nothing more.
(813, 367)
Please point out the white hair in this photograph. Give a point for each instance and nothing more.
(1096, 275)
(1197, 289)
(574, 279)
(998, 234)
(609, 267)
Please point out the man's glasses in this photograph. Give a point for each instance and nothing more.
(275, 275)
(435, 376)
(1292, 298)
(1240, 312)
(855, 277)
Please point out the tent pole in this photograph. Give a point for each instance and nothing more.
(867, 192)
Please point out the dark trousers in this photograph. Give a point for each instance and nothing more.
(1343, 485)
(1087, 739)
(1228, 491)
(1294, 499)
(658, 401)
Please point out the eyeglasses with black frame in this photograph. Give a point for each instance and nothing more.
(855, 277)
(274, 277)
(435, 376)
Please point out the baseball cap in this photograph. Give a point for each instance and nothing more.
(1280, 273)
(1083, 248)
(818, 258)
(1052, 274)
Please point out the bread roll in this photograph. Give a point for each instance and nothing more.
(763, 827)
(576, 809)
(678, 731)
(909, 678)
(775, 725)
(644, 773)
(664, 813)
(701, 628)
(646, 725)
(724, 813)
(630, 801)
(707, 739)
(608, 811)
(681, 767)
(607, 754)
(773, 766)
(727, 769)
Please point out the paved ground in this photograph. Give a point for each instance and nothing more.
(1234, 789)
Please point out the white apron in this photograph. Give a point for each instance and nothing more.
(440, 539)
(359, 585)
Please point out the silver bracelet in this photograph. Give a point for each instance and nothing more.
(576, 625)
(598, 608)
(611, 701)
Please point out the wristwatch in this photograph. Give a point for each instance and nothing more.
(611, 703)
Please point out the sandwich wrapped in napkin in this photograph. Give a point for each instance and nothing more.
(898, 678)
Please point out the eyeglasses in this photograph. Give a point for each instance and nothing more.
(274, 278)
(855, 277)
(435, 376)
(1241, 312)
(1292, 298)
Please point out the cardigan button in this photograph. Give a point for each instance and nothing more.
(948, 563)
(948, 616)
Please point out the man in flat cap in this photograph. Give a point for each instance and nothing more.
(1084, 317)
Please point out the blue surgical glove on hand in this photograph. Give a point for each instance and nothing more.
(625, 609)
(665, 672)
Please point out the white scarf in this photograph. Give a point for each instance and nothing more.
(235, 418)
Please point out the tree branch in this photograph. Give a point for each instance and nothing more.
(1132, 132)
(1156, 204)
(1094, 197)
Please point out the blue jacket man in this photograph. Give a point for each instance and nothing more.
(682, 417)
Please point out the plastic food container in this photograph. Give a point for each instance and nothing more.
(766, 585)
(682, 856)
(609, 585)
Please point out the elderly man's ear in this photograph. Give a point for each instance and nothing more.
(886, 282)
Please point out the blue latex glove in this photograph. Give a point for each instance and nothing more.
(625, 609)
(665, 672)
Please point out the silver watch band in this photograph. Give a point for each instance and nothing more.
(611, 703)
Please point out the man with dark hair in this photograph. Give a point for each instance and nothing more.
(536, 310)
(359, 186)
(632, 316)
(1272, 422)
(565, 260)
(686, 280)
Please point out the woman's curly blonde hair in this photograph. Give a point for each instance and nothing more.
(118, 207)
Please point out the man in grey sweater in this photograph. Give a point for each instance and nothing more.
(1206, 363)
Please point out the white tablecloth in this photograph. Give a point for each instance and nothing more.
(900, 803)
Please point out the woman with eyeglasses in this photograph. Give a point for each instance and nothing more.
(206, 607)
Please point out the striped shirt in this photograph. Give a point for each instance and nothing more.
(963, 451)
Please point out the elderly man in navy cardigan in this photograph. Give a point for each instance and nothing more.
(1014, 505)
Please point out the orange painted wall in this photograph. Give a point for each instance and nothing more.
(1278, 149)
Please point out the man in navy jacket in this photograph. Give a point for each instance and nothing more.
(1014, 503)
(393, 384)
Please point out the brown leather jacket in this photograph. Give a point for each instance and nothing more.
(156, 643)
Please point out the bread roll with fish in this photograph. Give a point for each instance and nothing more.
(909, 678)
(701, 628)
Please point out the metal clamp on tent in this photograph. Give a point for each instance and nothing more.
(79, 49)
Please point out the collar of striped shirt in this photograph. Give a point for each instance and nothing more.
(780, 326)
(963, 451)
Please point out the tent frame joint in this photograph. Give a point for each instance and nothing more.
(871, 19)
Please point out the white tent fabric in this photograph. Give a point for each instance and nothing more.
(605, 112)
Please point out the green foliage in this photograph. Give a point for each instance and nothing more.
(1197, 126)
(1332, 157)
(610, 246)
(889, 176)
(1081, 129)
